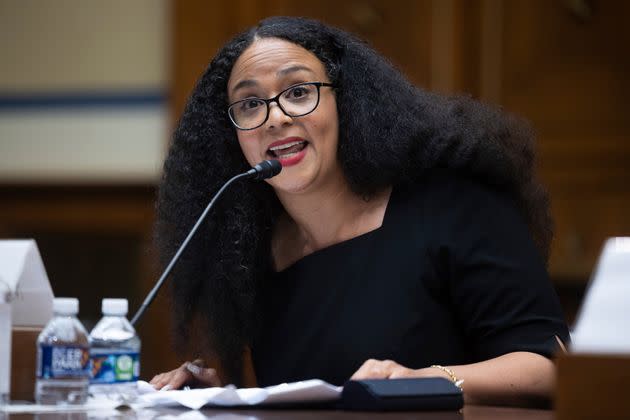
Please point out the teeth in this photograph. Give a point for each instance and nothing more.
(288, 155)
(285, 146)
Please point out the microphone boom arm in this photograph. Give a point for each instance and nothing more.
(167, 271)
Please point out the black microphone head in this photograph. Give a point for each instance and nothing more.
(267, 169)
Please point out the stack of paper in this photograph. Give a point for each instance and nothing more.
(311, 391)
(314, 390)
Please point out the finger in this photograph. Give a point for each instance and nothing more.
(390, 370)
(367, 370)
(163, 381)
(179, 378)
(204, 376)
(158, 384)
(160, 380)
(377, 369)
(156, 378)
(360, 372)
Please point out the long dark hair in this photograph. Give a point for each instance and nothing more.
(390, 132)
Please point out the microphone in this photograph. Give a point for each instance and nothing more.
(264, 170)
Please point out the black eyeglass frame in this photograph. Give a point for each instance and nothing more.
(275, 99)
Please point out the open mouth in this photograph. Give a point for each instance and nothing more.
(287, 150)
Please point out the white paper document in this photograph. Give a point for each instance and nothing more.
(313, 390)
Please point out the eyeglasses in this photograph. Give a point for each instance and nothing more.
(294, 101)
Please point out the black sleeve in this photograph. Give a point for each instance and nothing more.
(498, 283)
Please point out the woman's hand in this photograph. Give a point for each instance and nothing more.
(388, 369)
(517, 378)
(189, 373)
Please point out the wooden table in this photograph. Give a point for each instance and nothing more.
(469, 413)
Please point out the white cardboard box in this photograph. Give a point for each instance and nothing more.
(25, 298)
(5, 346)
(22, 272)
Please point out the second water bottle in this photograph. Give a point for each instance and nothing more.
(114, 351)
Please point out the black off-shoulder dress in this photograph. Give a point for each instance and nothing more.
(451, 277)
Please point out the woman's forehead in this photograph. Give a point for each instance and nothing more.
(273, 58)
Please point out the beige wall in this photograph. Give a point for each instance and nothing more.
(83, 44)
(61, 47)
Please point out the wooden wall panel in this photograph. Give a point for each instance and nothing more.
(564, 66)
(400, 30)
(401, 33)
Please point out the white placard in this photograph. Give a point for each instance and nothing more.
(602, 324)
(5, 345)
(22, 271)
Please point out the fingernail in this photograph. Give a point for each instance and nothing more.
(165, 387)
(194, 369)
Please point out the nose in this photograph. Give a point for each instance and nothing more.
(277, 117)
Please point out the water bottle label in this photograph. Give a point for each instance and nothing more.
(64, 362)
(112, 368)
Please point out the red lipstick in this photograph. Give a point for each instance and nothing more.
(288, 151)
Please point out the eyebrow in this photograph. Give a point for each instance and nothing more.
(282, 72)
(292, 69)
(244, 83)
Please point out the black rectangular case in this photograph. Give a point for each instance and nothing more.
(428, 394)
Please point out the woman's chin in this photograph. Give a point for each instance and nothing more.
(290, 188)
(286, 183)
(306, 179)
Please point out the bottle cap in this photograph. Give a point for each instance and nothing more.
(66, 306)
(114, 306)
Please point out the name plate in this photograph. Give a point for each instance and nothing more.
(592, 387)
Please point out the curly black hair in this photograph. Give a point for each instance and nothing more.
(390, 132)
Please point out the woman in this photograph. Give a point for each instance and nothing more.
(406, 235)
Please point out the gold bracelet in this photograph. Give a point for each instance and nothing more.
(458, 382)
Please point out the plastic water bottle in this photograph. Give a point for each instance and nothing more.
(63, 357)
(114, 351)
